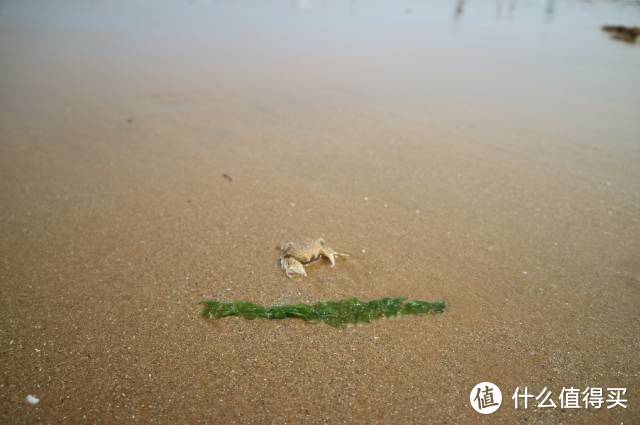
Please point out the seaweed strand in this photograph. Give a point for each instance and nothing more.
(333, 313)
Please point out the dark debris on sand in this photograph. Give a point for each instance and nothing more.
(622, 33)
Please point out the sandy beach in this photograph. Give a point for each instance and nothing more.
(488, 158)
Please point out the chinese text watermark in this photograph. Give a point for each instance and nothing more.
(486, 398)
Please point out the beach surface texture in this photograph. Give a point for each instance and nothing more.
(154, 154)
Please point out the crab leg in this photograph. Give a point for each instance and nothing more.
(292, 267)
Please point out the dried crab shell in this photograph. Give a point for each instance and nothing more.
(295, 255)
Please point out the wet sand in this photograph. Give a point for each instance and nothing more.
(486, 161)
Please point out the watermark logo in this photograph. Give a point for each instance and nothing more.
(485, 398)
(571, 398)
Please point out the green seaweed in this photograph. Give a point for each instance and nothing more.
(333, 313)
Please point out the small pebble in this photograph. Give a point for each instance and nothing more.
(366, 198)
(33, 400)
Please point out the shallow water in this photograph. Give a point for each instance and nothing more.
(445, 60)
(480, 152)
